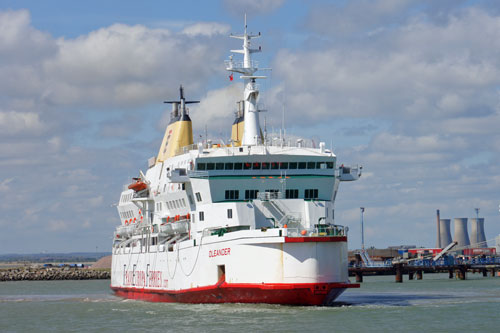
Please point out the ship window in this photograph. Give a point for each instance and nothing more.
(201, 166)
(198, 196)
(329, 165)
(265, 165)
(210, 166)
(320, 165)
(183, 202)
(251, 194)
(247, 165)
(219, 166)
(232, 194)
(311, 165)
(302, 165)
(238, 166)
(229, 213)
(284, 165)
(311, 194)
(202, 216)
(292, 165)
(229, 166)
(256, 166)
(291, 194)
(273, 194)
(274, 165)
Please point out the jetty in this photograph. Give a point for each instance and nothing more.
(454, 268)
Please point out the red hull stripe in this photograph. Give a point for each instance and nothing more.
(296, 294)
(315, 239)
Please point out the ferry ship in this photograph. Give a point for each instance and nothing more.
(248, 221)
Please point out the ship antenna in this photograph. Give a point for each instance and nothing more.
(247, 68)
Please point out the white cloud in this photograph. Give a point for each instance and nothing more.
(206, 29)
(216, 109)
(15, 123)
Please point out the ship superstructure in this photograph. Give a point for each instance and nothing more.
(247, 221)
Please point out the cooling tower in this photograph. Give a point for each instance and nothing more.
(461, 235)
(444, 232)
(477, 237)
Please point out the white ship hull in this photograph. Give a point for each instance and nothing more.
(249, 221)
(250, 266)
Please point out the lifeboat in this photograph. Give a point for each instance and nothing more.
(138, 186)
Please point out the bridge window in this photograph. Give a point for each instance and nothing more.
(302, 165)
(291, 194)
(320, 165)
(265, 165)
(274, 165)
(311, 194)
(292, 165)
(202, 216)
(201, 166)
(229, 166)
(273, 194)
(329, 165)
(238, 166)
(232, 194)
(284, 165)
(210, 166)
(198, 196)
(251, 194)
(247, 165)
(256, 165)
(229, 213)
(219, 166)
(311, 165)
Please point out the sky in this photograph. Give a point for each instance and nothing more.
(408, 89)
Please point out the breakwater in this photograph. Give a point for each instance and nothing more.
(52, 273)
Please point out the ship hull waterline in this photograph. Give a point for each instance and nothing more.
(284, 294)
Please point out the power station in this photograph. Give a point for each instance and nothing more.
(477, 237)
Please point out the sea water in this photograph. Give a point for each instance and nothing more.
(435, 303)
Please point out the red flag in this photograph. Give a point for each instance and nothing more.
(231, 77)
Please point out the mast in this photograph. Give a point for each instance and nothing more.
(252, 134)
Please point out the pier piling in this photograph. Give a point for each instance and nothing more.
(419, 274)
(399, 273)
